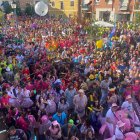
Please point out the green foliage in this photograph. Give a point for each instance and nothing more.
(29, 10)
(137, 17)
(96, 31)
(7, 7)
(18, 10)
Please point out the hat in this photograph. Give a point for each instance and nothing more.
(31, 118)
(91, 77)
(81, 91)
(71, 122)
(55, 123)
(120, 124)
(128, 97)
(114, 105)
(112, 88)
(44, 119)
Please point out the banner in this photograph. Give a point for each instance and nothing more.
(99, 44)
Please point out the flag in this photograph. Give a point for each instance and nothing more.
(112, 32)
(99, 44)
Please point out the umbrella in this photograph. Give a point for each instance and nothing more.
(103, 24)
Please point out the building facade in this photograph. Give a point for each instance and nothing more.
(136, 17)
(112, 10)
(57, 8)
(61, 8)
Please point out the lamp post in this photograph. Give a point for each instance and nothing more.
(14, 6)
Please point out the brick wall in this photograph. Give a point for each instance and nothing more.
(104, 4)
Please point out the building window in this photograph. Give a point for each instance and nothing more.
(53, 4)
(71, 2)
(109, 1)
(70, 15)
(97, 2)
(61, 5)
(53, 16)
(60, 16)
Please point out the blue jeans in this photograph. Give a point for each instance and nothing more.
(103, 96)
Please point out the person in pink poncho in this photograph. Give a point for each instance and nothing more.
(120, 133)
(55, 131)
(128, 107)
(111, 119)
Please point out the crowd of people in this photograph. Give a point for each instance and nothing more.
(69, 90)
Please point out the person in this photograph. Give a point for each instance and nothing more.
(40, 104)
(90, 135)
(85, 127)
(5, 100)
(50, 105)
(111, 119)
(128, 107)
(26, 102)
(60, 117)
(74, 138)
(104, 90)
(44, 127)
(12, 92)
(119, 131)
(55, 131)
(80, 102)
(16, 134)
(63, 105)
(112, 98)
(69, 130)
(136, 89)
(70, 92)
(95, 115)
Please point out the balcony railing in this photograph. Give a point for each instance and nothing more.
(85, 7)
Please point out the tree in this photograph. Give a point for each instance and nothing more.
(18, 9)
(29, 10)
(7, 7)
(137, 17)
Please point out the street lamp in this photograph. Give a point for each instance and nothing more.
(14, 6)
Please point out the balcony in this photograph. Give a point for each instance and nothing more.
(85, 7)
(124, 5)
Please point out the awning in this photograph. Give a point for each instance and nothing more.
(103, 24)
